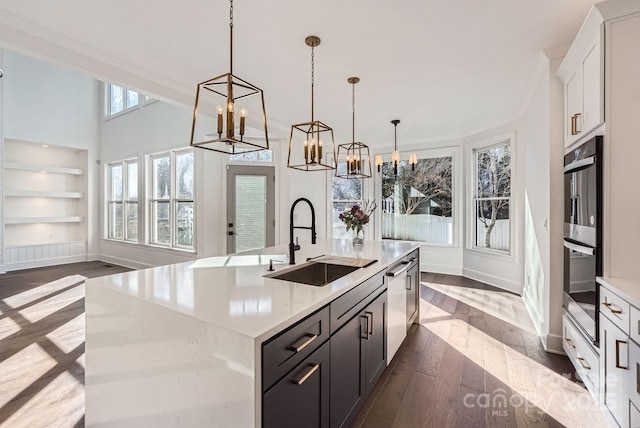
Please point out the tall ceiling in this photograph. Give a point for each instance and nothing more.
(447, 69)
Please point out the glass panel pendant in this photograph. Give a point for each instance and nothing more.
(311, 144)
(354, 155)
(228, 107)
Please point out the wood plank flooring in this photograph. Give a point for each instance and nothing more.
(42, 344)
(473, 361)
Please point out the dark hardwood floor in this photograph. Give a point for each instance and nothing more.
(473, 361)
(42, 344)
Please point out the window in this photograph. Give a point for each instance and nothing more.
(492, 197)
(123, 200)
(255, 156)
(119, 99)
(417, 205)
(346, 193)
(171, 208)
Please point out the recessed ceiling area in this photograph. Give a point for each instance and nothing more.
(446, 69)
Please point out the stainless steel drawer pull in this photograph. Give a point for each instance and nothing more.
(307, 375)
(408, 283)
(300, 347)
(583, 364)
(618, 342)
(569, 342)
(638, 378)
(366, 328)
(613, 309)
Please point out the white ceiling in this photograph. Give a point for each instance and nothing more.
(447, 69)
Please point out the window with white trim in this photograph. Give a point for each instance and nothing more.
(492, 197)
(122, 201)
(346, 192)
(171, 202)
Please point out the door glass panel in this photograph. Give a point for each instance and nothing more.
(250, 221)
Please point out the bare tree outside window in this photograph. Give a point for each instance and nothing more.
(417, 205)
(493, 197)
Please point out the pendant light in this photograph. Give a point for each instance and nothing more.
(395, 156)
(218, 128)
(355, 155)
(307, 149)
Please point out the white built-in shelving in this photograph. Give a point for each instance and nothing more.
(45, 204)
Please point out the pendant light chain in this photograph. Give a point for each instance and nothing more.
(313, 66)
(353, 112)
(231, 36)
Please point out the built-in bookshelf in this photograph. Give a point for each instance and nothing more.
(45, 204)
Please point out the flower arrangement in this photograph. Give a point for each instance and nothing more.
(356, 217)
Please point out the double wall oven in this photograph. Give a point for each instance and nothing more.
(583, 234)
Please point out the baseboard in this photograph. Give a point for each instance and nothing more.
(496, 281)
(443, 269)
(131, 264)
(43, 263)
(553, 344)
(534, 315)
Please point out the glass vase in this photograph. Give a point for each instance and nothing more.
(358, 237)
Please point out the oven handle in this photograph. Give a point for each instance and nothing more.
(579, 248)
(582, 163)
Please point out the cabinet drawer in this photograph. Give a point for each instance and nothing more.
(286, 350)
(634, 324)
(301, 398)
(354, 300)
(582, 356)
(615, 308)
(634, 422)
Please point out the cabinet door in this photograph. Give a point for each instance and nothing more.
(573, 106)
(301, 398)
(616, 370)
(347, 373)
(413, 282)
(634, 365)
(592, 115)
(375, 341)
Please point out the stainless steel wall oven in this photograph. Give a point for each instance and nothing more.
(583, 234)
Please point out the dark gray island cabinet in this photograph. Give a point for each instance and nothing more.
(319, 372)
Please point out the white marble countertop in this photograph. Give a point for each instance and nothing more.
(626, 288)
(231, 291)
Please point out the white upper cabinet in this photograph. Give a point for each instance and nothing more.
(582, 73)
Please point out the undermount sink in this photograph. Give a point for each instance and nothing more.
(315, 273)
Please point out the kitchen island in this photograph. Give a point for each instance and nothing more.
(182, 345)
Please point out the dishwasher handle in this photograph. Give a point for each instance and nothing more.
(398, 269)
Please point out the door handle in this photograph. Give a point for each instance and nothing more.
(573, 125)
(578, 128)
(366, 328)
(408, 282)
(369, 323)
(618, 342)
(314, 368)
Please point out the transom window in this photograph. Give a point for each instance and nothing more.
(171, 207)
(492, 197)
(119, 99)
(122, 203)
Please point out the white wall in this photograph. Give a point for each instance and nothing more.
(43, 103)
(544, 256)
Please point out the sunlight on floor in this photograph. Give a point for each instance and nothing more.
(21, 370)
(8, 327)
(66, 336)
(44, 290)
(498, 304)
(53, 304)
(535, 387)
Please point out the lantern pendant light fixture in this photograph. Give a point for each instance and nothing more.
(311, 144)
(218, 128)
(355, 155)
(395, 156)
